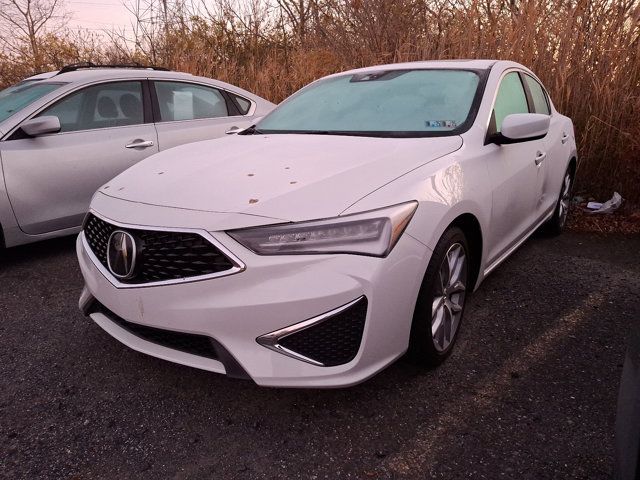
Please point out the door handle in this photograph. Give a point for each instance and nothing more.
(540, 156)
(564, 138)
(140, 144)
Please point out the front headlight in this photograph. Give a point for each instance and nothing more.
(369, 233)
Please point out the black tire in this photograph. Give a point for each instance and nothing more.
(423, 349)
(555, 225)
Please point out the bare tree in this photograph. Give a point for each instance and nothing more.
(299, 13)
(23, 22)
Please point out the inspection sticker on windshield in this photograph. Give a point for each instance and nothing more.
(440, 124)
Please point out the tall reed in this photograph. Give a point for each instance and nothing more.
(587, 52)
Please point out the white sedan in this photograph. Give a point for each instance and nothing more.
(343, 230)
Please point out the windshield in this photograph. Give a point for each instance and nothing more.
(17, 97)
(389, 103)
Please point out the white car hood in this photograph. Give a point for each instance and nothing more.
(283, 177)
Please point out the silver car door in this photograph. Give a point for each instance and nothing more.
(51, 179)
(515, 173)
(189, 112)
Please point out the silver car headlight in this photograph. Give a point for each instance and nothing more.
(374, 232)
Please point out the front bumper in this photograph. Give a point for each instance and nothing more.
(272, 293)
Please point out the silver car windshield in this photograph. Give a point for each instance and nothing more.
(389, 103)
(15, 98)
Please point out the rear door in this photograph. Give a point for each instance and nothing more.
(189, 112)
(556, 143)
(51, 179)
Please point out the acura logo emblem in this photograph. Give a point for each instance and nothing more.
(121, 254)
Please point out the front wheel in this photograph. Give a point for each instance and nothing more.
(441, 300)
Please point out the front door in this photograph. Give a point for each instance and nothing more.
(51, 179)
(516, 173)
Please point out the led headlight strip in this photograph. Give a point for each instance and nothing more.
(374, 233)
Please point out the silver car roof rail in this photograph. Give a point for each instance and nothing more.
(85, 65)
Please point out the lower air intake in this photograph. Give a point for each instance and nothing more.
(185, 342)
(334, 341)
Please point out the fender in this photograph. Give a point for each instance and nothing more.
(10, 230)
(445, 189)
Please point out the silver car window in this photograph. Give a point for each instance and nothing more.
(105, 105)
(244, 105)
(15, 98)
(187, 101)
(538, 96)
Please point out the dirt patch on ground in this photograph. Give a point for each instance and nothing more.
(624, 220)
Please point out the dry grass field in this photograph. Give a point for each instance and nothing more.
(587, 52)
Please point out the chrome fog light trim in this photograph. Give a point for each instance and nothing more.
(272, 340)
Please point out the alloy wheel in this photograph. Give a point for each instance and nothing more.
(565, 200)
(448, 297)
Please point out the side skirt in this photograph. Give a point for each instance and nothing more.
(515, 246)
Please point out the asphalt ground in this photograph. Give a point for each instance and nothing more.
(529, 392)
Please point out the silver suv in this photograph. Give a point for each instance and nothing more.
(65, 133)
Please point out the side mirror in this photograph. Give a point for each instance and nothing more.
(522, 127)
(41, 126)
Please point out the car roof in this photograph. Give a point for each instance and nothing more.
(96, 74)
(463, 64)
(482, 64)
(457, 64)
(41, 76)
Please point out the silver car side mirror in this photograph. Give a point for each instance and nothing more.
(522, 127)
(35, 127)
(233, 130)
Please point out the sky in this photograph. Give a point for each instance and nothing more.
(97, 15)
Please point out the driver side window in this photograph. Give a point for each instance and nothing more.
(510, 99)
(105, 105)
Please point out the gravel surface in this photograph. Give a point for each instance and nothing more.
(528, 394)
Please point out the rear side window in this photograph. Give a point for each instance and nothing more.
(540, 103)
(510, 99)
(244, 105)
(187, 101)
(105, 105)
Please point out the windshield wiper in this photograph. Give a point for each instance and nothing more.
(252, 130)
(311, 132)
(343, 133)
